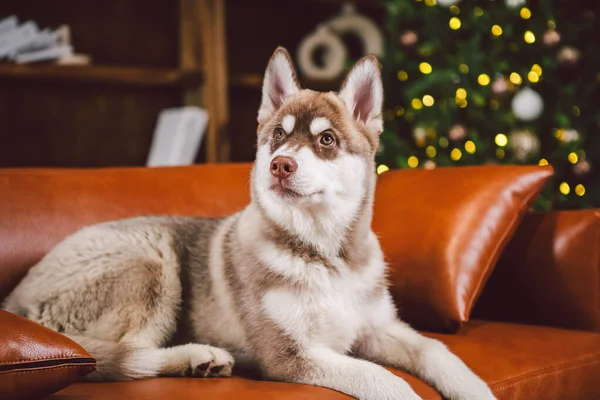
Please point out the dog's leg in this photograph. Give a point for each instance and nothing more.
(121, 361)
(325, 368)
(391, 342)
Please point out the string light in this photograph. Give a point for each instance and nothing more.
(402, 75)
(529, 37)
(496, 30)
(455, 154)
(537, 69)
(416, 104)
(483, 79)
(543, 162)
(478, 11)
(430, 151)
(576, 111)
(454, 23)
(564, 188)
(425, 68)
(461, 93)
(580, 190)
(525, 13)
(455, 10)
(428, 100)
(382, 168)
(413, 162)
(573, 158)
(500, 153)
(464, 68)
(515, 78)
(443, 142)
(551, 24)
(533, 77)
(430, 3)
(470, 147)
(501, 139)
(399, 111)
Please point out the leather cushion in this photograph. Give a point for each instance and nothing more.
(551, 269)
(519, 362)
(36, 361)
(442, 231)
(40, 207)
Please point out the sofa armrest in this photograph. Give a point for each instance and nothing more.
(549, 274)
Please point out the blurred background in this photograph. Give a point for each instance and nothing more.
(133, 83)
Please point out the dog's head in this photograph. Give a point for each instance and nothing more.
(316, 150)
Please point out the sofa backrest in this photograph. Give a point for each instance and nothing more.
(39, 207)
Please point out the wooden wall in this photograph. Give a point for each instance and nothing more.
(105, 114)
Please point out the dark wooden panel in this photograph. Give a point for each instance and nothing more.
(129, 32)
(256, 28)
(78, 125)
(129, 76)
(244, 103)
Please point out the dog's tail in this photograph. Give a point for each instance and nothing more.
(120, 361)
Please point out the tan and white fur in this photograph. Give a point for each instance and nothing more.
(294, 284)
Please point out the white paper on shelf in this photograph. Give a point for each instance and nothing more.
(43, 55)
(8, 23)
(177, 136)
(17, 37)
(43, 40)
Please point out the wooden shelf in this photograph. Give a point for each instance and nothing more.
(254, 81)
(135, 76)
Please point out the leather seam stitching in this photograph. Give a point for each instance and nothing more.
(47, 369)
(571, 365)
(25, 360)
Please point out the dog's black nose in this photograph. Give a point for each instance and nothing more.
(282, 167)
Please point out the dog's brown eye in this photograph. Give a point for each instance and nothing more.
(327, 140)
(279, 135)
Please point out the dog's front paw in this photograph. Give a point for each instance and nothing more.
(473, 389)
(197, 360)
(396, 388)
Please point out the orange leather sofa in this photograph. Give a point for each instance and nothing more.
(533, 334)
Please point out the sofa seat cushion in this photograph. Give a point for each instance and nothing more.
(530, 362)
(518, 362)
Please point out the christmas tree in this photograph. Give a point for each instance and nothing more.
(504, 82)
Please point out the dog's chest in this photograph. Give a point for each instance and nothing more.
(330, 314)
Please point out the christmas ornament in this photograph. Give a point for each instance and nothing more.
(420, 135)
(569, 135)
(551, 37)
(350, 21)
(527, 104)
(334, 57)
(429, 164)
(524, 144)
(500, 85)
(515, 3)
(582, 167)
(408, 38)
(447, 3)
(568, 55)
(457, 132)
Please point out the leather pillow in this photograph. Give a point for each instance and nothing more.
(442, 232)
(36, 361)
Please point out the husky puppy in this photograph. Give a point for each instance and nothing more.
(295, 283)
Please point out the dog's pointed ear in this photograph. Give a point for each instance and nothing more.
(362, 92)
(280, 82)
